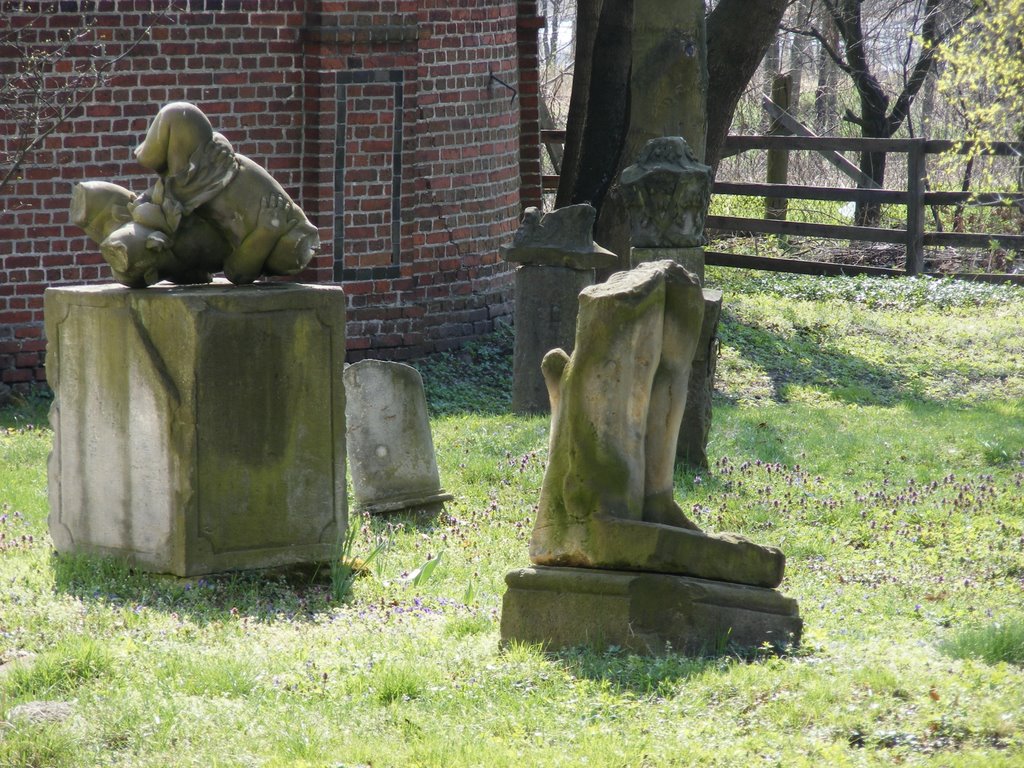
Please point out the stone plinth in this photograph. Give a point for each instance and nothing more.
(557, 258)
(197, 429)
(547, 303)
(390, 448)
(650, 613)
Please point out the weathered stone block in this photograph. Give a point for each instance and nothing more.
(547, 304)
(643, 612)
(197, 429)
(390, 448)
(561, 238)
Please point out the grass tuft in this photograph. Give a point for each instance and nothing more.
(32, 745)
(995, 643)
(394, 681)
(59, 671)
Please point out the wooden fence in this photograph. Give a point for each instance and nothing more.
(916, 196)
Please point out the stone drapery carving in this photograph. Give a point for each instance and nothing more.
(211, 209)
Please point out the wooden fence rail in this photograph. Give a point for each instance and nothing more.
(915, 196)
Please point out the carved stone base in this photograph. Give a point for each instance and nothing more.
(197, 429)
(649, 613)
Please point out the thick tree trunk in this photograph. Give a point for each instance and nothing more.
(604, 130)
(739, 32)
(588, 13)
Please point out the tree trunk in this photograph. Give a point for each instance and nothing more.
(588, 13)
(825, 106)
(799, 56)
(604, 129)
(739, 33)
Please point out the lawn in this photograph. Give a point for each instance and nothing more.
(873, 429)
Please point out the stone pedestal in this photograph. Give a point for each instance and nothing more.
(390, 448)
(197, 429)
(692, 448)
(557, 258)
(649, 613)
(547, 303)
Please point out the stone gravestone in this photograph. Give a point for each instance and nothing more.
(200, 428)
(390, 448)
(617, 562)
(557, 258)
(666, 193)
(197, 429)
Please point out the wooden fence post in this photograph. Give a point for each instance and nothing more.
(916, 171)
(778, 159)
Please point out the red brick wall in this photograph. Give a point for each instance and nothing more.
(380, 117)
(530, 192)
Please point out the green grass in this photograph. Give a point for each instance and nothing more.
(993, 643)
(873, 429)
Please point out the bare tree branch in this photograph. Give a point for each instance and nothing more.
(36, 107)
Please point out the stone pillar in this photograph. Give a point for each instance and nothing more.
(669, 78)
(390, 448)
(557, 258)
(547, 303)
(197, 429)
(667, 193)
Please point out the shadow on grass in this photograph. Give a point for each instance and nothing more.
(296, 594)
(804, 360)
(475, 378)
(293, 593)
(652, 675)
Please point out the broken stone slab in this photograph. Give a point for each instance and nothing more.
(645, 613)
(197, 429)
(562, 238)
(547, 303)
(390, 446)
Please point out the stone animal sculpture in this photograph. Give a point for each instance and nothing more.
(211, 209)
(616, 408)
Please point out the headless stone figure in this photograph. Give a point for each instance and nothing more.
(617, 404)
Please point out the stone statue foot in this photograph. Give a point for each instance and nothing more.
(632, 545)
(662, 508)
